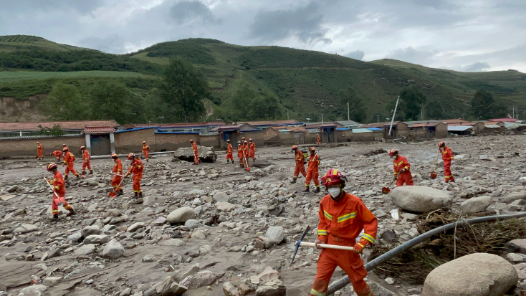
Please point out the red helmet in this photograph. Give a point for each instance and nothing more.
(38, 142)
(312, 149)
(442, 144)
(131, 156)
(65, 149)
(144, 142)
(295, 147)
(63, 145)
(393, 152)
(114, 155)
(245, 142)
(333, 177)
(191, 141)
(51, 166)
(250, 139)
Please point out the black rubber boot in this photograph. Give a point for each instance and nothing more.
(135, 195)
(293, 180)
(232, 162)
(91, 172)
(55, 217)
(306, 189)
(140, 194)
(78, 177)
(66, 178)
(83, 172)
(71, 212)
(317, 190)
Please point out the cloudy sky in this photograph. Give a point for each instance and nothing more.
(468, 35)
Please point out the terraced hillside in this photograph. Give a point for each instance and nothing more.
(25, 42)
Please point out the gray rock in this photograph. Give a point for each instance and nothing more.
(516, 258)
(221, 197)
(134, 227)
(160, 221)
(476, 204)
(521, 270)
(125, 292)
(517, 246)
(53, 252)
(97, 239)
(181, 215)
(149, 258)
(230, 290)
(513, 197)
(225, 206)
(196, 202)
(85, 250)
(272, 289)
(113, 250)
(12, 189)
(276, 234)
(34, 290)
(25, 228)
(89, 230)
(186, 273)
(200, 279)
(191, 223)
(420, 199)
(174, 242)
(379, 290)
(75, 237)
(478, 274)
(205, 249)
(51, 281)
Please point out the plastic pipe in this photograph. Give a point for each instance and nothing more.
(339, 284)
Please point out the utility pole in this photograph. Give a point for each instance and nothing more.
(394, 113)
(378, 118)
(513, 108)
(288, 115)
(348, 114)
(422, 112)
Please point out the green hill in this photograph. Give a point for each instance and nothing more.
(25, 42)
(306, 82)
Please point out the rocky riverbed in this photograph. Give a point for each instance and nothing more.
(215, 229)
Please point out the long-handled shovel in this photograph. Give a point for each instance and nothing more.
(386, 190)
(245, 158)
(433, 173)
(114, 192)
(58, 200)
(300, 243)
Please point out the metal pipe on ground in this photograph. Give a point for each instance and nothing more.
(341, 283)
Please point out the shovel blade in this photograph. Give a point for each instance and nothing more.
(386, 190)
(433, 175)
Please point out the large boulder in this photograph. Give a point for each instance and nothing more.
(478, 274)
(419, 199)
(476, 204)
(206, 154)
(181, 215)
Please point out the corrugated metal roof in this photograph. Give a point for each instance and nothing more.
(361, 130)
(98, 130)
(492, 126)
(375, 129)
(65, 125)
(134, 129)
(272, 122)
(458, 128)
(503, 119)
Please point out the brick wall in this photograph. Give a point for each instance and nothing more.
(257, 137)
(210, 141)
(28, 147)
(441, 131)
(171, 142)
(363, 137)
(344, 136)
(131, 142)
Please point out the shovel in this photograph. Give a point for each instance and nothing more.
(434, 174)
(386, 190)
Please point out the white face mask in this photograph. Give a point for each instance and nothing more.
(334, 192)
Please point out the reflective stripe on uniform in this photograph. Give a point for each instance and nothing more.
(316, 293)
(322, 232)
(368, 237)
(327, 215)
(347, 217)
(55, 211)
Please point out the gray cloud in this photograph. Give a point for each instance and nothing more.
(412, 55)
(192, 11)
(476, 67)
(305, 23)
(357, 55)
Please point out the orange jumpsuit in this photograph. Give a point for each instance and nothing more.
(399, 163)
(69, 159)
(240, 155)
(447, 157)
(252, 150)
(196, 153)
(40, 150)
(300, 166)
(116, 181)
(312, 170)
(57, 154)
(85, 161)
(145, 151)
(229, 152)
(246, 149)
(340, 224)
(60, 190)
(136, 167)
(318, 139)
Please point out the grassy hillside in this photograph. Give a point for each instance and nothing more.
(306, 82)
(23, 42)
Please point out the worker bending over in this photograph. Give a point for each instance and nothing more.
(447, 157)
(59, 191)
(85, 160)
(229, 152)
(401, 166)
(312, 170)
(136, 168)
(342, 218)
(300, 164)
(145, 151)
(69, 161)
(57, 154)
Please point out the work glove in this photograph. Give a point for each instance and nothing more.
(402, 170)
(358, 248)
(395, 177)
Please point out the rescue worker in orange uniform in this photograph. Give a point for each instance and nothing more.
(447, 157)
(401, 166)
(312, 170)
(116, 182)
(57, 154)
(136, 168)
(342, 218)
(246, 151)
(196, 152)
(85, 160)
(59, 195)
(64, 154)
(69, 160)
(252, 150)
(300, 164)
(145, 151)
(40, 149)
(229, 152)
(318, 141)
(240, 154)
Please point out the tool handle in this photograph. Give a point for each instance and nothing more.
(51, 187)
(326, 246)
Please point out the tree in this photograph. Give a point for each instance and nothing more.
(240, 104)
(182, 91)
(410, 104)
(64, 103)
(483, 106)
(264, 106)
(55, 131)
(113, 100)
(435, 110)
(356, 106)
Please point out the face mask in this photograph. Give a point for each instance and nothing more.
(334, 192)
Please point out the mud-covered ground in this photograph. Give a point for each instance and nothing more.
(232, 208)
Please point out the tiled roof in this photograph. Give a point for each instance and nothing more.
(504, 119)
(380, 124)
(425, 124)
(98, 130)
(65, 125)
(271, 122)
(181, 124)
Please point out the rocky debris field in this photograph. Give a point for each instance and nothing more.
(215, 229)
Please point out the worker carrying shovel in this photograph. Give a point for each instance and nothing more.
(401, 167)
(342, 218)
(447, 157)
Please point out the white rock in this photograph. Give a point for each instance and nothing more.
(420, 199)
(516, 258)
(478, 274)
(85, 249)
(113, 250)
(225, 206)
(205, 249)
(89, 230)
(275, 233)
(181, 215)
(97, 239)
(476, 204)
(34, 290)
(134, 227)
(25, 228)
(191, 223)
(221, 196)
(51, 281)
(173, 242)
